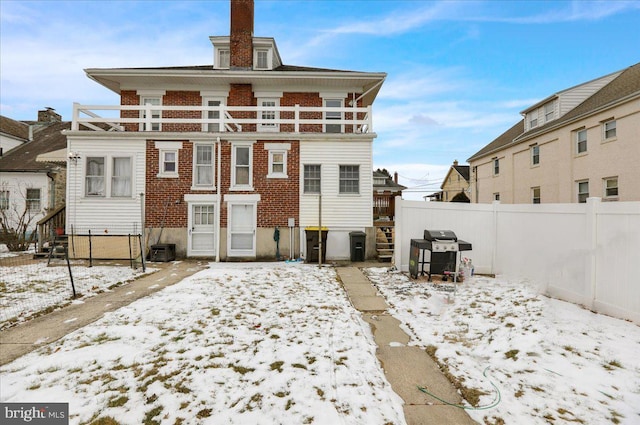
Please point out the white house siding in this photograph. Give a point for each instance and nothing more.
(7, 143)
(341, 214)
(104, 215)
(572, 97)
(17, 184)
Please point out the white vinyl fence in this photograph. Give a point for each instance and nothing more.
(588, 254)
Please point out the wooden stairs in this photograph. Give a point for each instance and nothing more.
(385, 241)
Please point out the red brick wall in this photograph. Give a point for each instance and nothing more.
(278, 197)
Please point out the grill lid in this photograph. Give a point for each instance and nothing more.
(442, 235)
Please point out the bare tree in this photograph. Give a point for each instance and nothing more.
(17, 219)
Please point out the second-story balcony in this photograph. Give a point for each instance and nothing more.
(223, 118)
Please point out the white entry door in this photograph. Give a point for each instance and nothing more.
(241, 235)
(202, 237)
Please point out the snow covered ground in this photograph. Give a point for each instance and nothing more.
(550, 361)
(279, 343)
(253, 343)
(29, 287)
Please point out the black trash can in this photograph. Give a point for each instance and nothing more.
(313, 244)
(358, 245)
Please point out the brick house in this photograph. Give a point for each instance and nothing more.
(218, 159)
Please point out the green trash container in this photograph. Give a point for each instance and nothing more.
(313, 244)
(358, 245)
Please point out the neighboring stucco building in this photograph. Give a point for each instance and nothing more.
(578, 143)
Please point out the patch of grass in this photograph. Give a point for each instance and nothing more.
(512, 354)
(320, 393)
(148, 417)
(281, 394)
(276, 366)
(107, 420)
(204, 413)
(241, 369)
(289, 405)
(301, 366)
(612, 365)
(518, 394)
(118, 401)
(340, 361)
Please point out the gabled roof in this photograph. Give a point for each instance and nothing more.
(14, 128)
(23, 158)
(463, 170)
(389, 184)
(621, 89)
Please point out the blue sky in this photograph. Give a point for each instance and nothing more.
(459, 72)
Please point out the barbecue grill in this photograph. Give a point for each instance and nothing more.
(443, 247)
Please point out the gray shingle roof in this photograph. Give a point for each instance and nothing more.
(14, 128)
(47, 139)
(625, 86)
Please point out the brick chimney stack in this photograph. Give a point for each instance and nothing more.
(241, 37)
(395, 177)
(455, 162)
(48, 114)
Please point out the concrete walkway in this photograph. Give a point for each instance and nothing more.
(24, 338)
(405, 367)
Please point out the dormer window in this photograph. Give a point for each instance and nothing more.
(549, 112)
(224, 58)
(262, 59)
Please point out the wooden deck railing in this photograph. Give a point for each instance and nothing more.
(50, 226)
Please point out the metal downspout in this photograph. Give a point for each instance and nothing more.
(218, 212)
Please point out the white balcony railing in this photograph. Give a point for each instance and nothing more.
(224, 118)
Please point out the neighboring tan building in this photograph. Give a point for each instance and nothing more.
(220, 159)
(455, 187)
(578, 143)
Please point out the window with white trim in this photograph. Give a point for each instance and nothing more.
(581, 141)
(583, 191)
(155, 114)
(212, 127)
(268, 115)
(34, 204)
(535, 195)
(333, 115)
(94, 176)
(349, 179)
(277, 164)
(203, 163)
(535, 155)
(609, 129)
(224, 58)
(262, 59)
(4, 199)
(610, 187)
(109, 175)
(549, 112)
(496, 166)
(496, 196)
(168, 163)
(242, 171)
(121, 177)
(311, 178)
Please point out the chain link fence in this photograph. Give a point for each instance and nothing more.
(77, 266)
